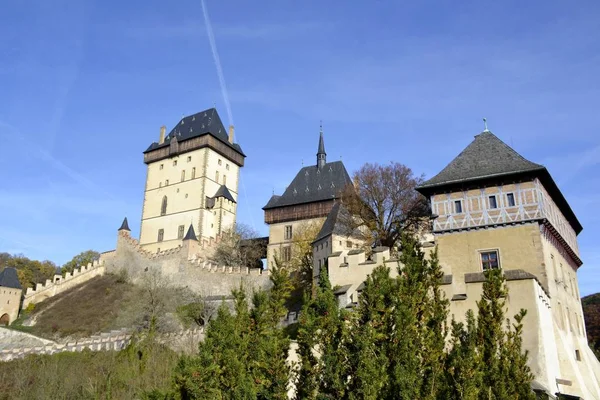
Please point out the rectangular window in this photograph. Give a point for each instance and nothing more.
(175, 163)
(227, 167)
(225, 180)
(183, 175)
(193, 172)
(286, 253)
(161, 235)
(510, 199)
(288, 232)
(167, 182)
(349, 244)
(159, 184)
(217, 176)
(577, 355)
(493, 202)
(180, 231)
(189, 158)
(161, 166)
(489, 260)
(458, 206)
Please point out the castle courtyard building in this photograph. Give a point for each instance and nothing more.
(308, 199)
(192, 178)
(10, 296)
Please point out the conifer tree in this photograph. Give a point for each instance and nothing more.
(500, 347)
(464, 370)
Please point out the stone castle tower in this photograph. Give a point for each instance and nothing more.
(496, 209)
(192, 178)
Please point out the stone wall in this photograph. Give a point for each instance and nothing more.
(10, 299)
(188, 266)
(59, 284)
(183, 341)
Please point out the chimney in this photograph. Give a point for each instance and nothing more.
(230, 134)
(161, 138)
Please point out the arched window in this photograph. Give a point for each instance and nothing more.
(163, 207)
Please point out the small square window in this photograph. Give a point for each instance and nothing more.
(175, 163)
(189, 158)
(161, 166)
(458, 206)
(510, 198)
(489, 260)
(493, 202)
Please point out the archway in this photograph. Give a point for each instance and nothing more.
(4, 319)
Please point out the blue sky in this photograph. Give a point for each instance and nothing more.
(86, 85)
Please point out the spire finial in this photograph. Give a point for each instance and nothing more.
(321, 155)
(485, 125)
(321, 126)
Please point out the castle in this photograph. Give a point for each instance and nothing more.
(492, 209)
(495, 209)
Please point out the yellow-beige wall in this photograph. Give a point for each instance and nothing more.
(205, 171)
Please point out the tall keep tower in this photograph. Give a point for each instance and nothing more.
(192, 178)
(495, 209)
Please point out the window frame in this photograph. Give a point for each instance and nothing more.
(288, 232)
(180, 231)
(486, 252)
(458, 206)
(161, 235)
(510, 198)
(493, 201)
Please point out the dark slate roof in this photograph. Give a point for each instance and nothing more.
(313, 184)
(342, 290)
(191, 234)
(224, 192)
(9, 278)
(334, 223)
(486, 156)
(202, 123)
(124, 225)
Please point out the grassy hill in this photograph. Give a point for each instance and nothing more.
(89, 308)
(591, 312)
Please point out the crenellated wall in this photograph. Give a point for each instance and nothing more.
(189, 265)
(60, 283)
(116, 340)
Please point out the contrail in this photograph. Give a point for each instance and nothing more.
(213, 48)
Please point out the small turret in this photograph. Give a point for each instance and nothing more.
(321, 155)
(125, 226)
(190, 235)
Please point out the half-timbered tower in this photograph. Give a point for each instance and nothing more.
(496, 209)
(308, 199)
(192, 178)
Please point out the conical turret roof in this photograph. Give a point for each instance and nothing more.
(190, 235)
(125, 226)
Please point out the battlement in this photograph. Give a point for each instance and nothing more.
(60, 283)
(115, 340)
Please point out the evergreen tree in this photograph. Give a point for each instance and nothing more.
(464, 369)
(501, 347)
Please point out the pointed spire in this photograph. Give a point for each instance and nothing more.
(321, 155)
(190, 235)
(125, 226)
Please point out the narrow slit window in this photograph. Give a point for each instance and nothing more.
(183, 175)
(193, 172)
(161, 235)
(180, 231)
